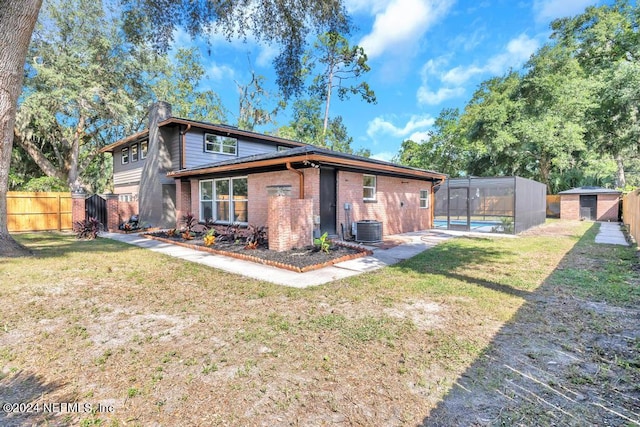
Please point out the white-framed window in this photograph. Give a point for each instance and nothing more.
(134, 153)
(125, 155)
(225, 200)
(368, 187)
(424, 199)
(144, 147)
(220, 144)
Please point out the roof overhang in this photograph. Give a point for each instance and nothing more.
(144, 134)
(318, 158)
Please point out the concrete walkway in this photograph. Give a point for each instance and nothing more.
(412, 244)
(611, 234)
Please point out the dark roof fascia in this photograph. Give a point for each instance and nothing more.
(590, 191)
(143, 134)
(231, 131)
(219, 128)
(310, 154)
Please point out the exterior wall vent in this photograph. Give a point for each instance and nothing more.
(368, 231)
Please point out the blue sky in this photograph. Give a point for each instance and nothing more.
(425, 55)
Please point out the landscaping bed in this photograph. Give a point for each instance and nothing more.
(299, 260)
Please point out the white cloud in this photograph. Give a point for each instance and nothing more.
(548, 10)
(219, 72)
(402, 24)
(380, 126)
(386, 156)
(516, 52)
(425, 96)
(420, 136)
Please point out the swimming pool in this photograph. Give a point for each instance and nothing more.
(473, 225)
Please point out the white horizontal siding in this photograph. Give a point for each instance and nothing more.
(128, 176)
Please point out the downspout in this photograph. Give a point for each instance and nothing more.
(301, 175)
(183, 150)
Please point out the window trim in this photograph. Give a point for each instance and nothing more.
(214, 199)
(374, 187)
(427, 199)
(222, 145)
(124, 155)
(134, 148)
(143, 153)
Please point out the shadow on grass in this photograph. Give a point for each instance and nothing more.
(56, 244)
(444, 260)
(561, 359)
(22, 396)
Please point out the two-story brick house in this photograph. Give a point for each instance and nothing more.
(228, 175)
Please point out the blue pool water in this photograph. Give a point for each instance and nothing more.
(442, 223)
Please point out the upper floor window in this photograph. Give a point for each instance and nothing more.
(368, 187)
(134, 153)
(424, 199)
(125, 155)
(220, 144)
(144, 147)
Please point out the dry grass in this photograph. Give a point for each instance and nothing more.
(166, 342)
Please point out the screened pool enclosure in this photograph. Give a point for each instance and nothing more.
(500, 205)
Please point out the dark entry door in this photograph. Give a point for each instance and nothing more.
(588, 207)
(328, 200)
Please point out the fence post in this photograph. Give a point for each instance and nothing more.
(78, 212)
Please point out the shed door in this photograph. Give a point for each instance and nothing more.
(588, 207)
(328, 200)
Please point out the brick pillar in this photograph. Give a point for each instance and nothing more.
(78, 212)
(183, 200)
(279, 217)
(113, 216)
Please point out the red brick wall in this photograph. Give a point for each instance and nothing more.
(397, 203)
(183, 200)
(289, 222)
(257, 188)
(78, 212)
(608, 207)
(195, 198)
(126, 210)
(569, 206)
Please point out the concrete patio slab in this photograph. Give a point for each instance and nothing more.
(414, 244)
(610, 233)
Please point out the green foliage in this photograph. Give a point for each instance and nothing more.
(179, 86)
(322, 243)
(45, 183)
(570, 117)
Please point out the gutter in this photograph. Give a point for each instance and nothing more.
(301, 175)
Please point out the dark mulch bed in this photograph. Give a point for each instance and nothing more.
(300, 260)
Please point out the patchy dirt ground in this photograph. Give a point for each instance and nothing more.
(564, 359)
(475, 331)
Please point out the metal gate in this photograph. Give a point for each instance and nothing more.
(96, 207)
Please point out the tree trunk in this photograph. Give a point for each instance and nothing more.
(621, 181)
(326, 107)
(17, 20)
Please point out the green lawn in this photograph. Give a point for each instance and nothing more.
(165, 341)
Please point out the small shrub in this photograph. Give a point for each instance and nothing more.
(322, 243)
(87, 229)
(257, 236)
(189, 222)
(231, 233)
(209, 239)
(172, 233)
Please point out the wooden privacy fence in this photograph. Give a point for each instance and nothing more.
(30, 211)
(631, 213)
